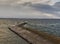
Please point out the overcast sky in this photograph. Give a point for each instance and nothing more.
(25, 9)
(55, 0)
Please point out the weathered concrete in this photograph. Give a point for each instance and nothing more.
(30, 37)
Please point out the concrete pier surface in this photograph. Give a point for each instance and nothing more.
(33, 38)
(8, 37)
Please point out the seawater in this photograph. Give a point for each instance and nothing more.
(51, 26)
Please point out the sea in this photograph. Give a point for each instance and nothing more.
(50, 26)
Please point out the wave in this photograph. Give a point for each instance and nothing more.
(49, 28)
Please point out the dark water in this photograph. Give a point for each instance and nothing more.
(51, 26)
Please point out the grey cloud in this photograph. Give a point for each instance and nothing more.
(57, 5)
(22, 1)
(29, 11)
(46, 8)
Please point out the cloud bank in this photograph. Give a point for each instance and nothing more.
(14, 2)
(29, 10)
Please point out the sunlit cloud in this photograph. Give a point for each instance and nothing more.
(25, 12)
(38, 9)
(12, 2)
